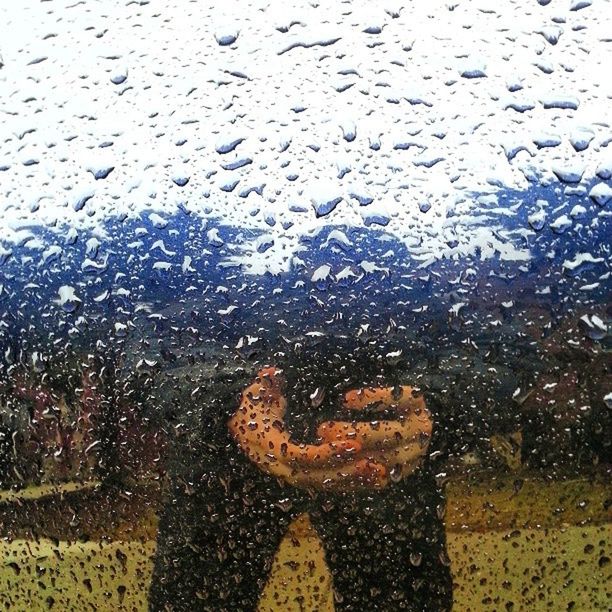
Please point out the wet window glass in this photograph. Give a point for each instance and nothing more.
(305, 306)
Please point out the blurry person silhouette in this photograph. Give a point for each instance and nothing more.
(355, 460)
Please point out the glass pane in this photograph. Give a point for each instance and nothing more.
(305, 306)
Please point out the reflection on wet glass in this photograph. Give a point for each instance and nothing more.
(305, 307)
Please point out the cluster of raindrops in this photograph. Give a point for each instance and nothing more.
(187, 191)
(287, 118)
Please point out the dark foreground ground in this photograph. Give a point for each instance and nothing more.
(516, 542)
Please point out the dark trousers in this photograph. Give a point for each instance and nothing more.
(219, 533)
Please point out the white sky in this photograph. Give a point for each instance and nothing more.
(180, 87)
